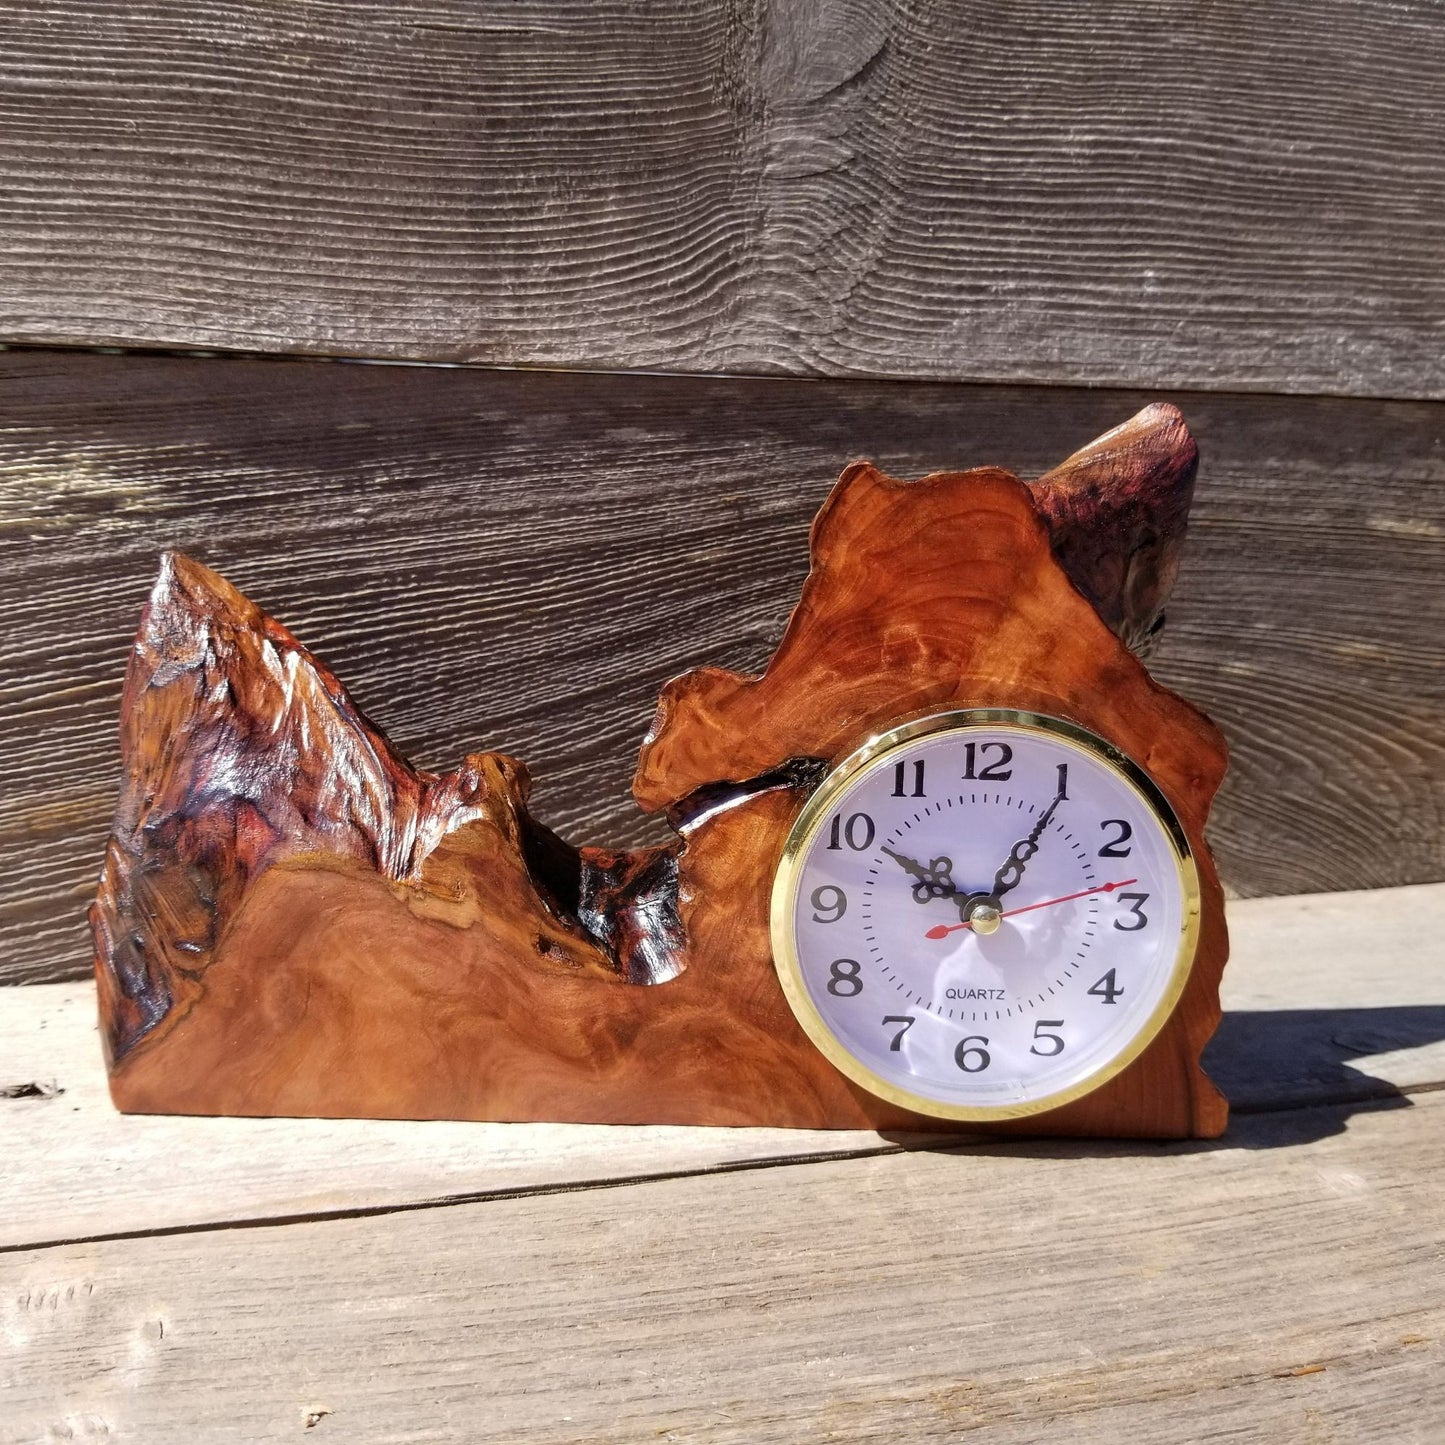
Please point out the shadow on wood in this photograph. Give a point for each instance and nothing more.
(1270, 1059)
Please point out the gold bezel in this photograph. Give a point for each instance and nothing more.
(819, 807)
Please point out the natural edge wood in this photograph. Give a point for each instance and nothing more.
(293, 920)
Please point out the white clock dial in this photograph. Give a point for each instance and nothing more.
(985, 914)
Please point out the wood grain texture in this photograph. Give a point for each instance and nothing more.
(1306, 619)
(1208, 196)
(294, 921)
(1282, 1286)
(1315, 1011)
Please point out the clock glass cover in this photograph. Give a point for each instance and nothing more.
(985, 914)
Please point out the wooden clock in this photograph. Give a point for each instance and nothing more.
(941, 865)
(962, 876)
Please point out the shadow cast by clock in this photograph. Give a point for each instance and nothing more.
(1290, 1075)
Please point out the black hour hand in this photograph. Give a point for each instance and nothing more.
(935, 880)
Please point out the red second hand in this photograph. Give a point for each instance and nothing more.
(943, 930)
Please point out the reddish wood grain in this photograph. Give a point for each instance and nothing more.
(1117, 510)
(293, 920)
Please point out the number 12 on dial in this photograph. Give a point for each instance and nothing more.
(985, 914)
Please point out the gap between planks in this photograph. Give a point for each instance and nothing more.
(962, 1144)
(159, 351)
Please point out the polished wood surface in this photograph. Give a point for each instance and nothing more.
(293, 920)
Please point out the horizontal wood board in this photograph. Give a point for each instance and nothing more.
(1281, 1285)
(1214, 196)
(518, 561)
(1318, 1009)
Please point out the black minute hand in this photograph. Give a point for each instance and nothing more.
(1012, 872)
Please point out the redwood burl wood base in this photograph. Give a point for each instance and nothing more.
(293, 920)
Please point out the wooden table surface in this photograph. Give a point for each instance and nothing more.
(195, 1280)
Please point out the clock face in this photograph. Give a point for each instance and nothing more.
(985, 914)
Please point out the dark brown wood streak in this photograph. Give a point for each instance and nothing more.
(1121, 544)
(294, 920)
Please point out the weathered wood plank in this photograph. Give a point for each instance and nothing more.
(567, 543)
(1282, 1285)
(1057, 190)
(1306, 1020)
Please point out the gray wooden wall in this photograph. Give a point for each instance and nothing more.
(1240, 205)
